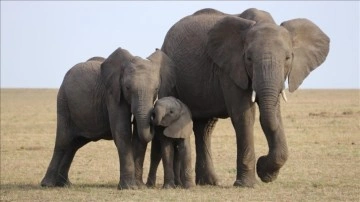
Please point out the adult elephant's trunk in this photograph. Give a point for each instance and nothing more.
(268, 87)
(141, 110)
(270, 118)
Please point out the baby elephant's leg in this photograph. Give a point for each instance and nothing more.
(184, 155)
(167, 151)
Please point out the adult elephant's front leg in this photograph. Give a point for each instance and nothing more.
(204, 167)
(242, 113)
(243, 123)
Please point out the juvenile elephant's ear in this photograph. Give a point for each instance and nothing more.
(111, 70)
(226, 47)
(167, 72)
(310, 46)
(182, 127)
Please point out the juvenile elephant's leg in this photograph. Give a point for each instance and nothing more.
(268, 166)
(120, 125)
(139, 149)
(204, 168)
(167, 151)
(177, 164)
(184, 156)
(51, 176)
(65, 164)
(155, 159)
(62, 142)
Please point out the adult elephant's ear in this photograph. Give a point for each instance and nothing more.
(183, 126)
(226, 47)
(111, 70)
(167, 72)
(310, 48)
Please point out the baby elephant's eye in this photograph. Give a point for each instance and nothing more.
(171, 111)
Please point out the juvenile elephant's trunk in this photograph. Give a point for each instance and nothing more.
(156, 116)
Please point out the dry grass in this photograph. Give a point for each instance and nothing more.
(322, 128)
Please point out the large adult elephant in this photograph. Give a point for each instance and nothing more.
(96, 101)
(224, 63)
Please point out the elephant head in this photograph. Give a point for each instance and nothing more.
(136, 81)
(260, 55)
(172, 114)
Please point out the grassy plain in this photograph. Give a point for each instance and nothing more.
(323, 134)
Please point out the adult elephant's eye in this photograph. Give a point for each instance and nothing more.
(287, 57)
(249, 59)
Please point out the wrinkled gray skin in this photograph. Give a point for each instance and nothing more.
(96, 101)
(173, 127)
(220, 59)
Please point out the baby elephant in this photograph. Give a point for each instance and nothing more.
(173, 127)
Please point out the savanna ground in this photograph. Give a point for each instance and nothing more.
(323, 134)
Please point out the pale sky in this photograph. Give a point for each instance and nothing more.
(41, 41)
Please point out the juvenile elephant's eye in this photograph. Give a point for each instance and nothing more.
(249, 59)
(287, 58)
(171, 111)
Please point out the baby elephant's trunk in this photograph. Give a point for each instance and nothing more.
(156, 116)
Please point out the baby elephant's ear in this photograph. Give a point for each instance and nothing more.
(182, 127)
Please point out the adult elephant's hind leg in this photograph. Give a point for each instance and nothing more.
(204, 167)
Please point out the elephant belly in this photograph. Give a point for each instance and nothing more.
(202, 94)
(91, 124)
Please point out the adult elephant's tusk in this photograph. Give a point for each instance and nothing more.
(283, 94)
(253, 96)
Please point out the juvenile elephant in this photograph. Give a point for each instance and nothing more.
(224, 63)
(96, 101)
(173, 127)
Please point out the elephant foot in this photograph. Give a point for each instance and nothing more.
(188, 185)
(170, 185)
(140, 184)
(245, 178)
(266, 171)
(150, 183)
(245, 183)
(55, 182)
(127, 184)
(207, 179)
